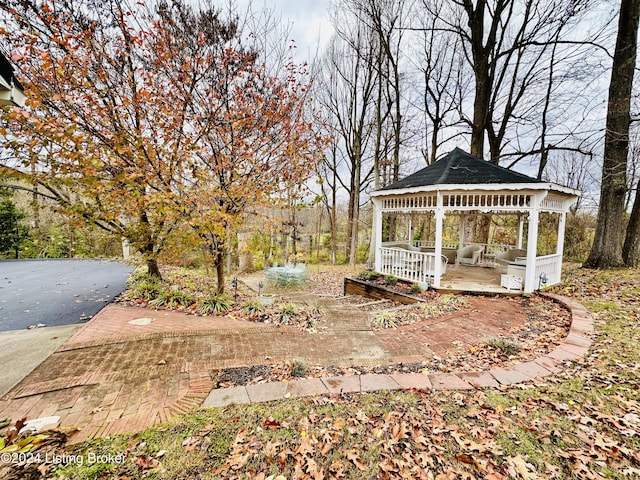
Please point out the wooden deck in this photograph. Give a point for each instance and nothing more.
(474, 279)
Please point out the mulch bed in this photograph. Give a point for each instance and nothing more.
(280, 313)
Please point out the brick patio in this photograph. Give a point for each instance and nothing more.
(114, 377)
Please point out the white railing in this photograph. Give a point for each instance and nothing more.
(473, 201)
(408, 265)
(489, 248)
(415, 202)
(397, 244)
(432, 244)
(552, 204)
(551, 267)
(493, 248)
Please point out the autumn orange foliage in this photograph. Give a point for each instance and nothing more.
(153, 119)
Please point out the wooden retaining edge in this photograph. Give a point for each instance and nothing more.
(353, 286)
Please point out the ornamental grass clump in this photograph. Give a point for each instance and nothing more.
(253, 308)
(172, 298)
(452, 302)
(504, 346)
(298, 368)
(147, 288)
(140, 275)
(144, 286)
(286, 312)
(390, 280)
(385, 320)
(217, 303)
(429, 309)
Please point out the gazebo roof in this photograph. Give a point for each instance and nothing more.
(11, 90)
(460, 168)
(458, 184)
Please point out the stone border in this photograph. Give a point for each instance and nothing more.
(575, 346)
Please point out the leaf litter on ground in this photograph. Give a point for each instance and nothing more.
(580, 423)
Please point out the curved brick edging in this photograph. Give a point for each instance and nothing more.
(575, 345)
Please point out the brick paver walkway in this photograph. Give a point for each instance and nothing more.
(575, 346)
(410, 343)
(115, 375)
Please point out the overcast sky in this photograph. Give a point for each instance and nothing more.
(309, 20)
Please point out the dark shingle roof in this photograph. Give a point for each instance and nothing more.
(458, 167)
(6, 72)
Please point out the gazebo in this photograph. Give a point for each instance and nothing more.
(463, 187)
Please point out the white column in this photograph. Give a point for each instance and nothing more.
(532, 243)
(561, 227)
(438, 246)
(520, 231)
(376, 236)
(530, 280)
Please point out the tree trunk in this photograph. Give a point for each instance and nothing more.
(353, 249)
(631, 249)
(245, 256)
(294, 231)
(151, 259)
(333, 221)
(354, 204)
(484, 228)
(152, 268)
(219, 264)
(479, 116)
(35, 208)
(148, 249)
(607, 245)
(216, 248)
(481, 75)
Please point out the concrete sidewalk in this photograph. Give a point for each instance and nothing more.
(24, 350)
(129, 368)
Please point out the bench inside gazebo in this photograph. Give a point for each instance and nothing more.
(465, 220)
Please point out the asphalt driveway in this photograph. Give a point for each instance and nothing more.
(56, 292)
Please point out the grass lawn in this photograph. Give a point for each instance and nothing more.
(581, 423)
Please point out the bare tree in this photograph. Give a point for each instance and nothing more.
(607, 245)
(385, 19)
(505, 43)
(328, 173)
(442, 69)
(348, 92)
(571, 169)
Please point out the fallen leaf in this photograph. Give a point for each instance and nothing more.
(143, 462)
(518, 466)
(354, 457)
(271, 424)
(190, 444)
(468, 459)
